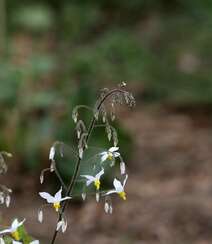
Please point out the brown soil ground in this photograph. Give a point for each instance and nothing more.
(169, 189)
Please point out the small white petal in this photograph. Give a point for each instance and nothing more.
(15, 224)
(40, 215)
(58, 195)
(16, 242)
(47, 196)
(52, 153)
(89, 177)
(104, 156)
(116, 154)
(113, 149)
(99, 174)
(122, 168)
(6, 231)
(110, 192)
(64, 198)
(118, 186)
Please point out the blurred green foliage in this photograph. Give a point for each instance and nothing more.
(69, 49)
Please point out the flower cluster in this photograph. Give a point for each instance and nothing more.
(93, 174)
(15, 233)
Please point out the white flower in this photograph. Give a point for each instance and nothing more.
(119, 188)
(94, 179)
(52, 153)
(110, 154)
(13, 229)
(55, 200)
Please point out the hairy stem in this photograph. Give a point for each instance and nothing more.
(77, 166)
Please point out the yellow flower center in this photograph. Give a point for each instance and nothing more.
(110, 156)
(15, 235)
(56, 206)
(122, 195)
(97, 184)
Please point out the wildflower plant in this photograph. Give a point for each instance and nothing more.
(5, 192)
(89, 172)
(15, 233)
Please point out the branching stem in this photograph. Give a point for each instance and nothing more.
(77, 166)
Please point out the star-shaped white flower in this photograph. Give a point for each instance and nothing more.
(13, 229)
(55, 200)
(110, 154)
(94, 179)
(119, 188)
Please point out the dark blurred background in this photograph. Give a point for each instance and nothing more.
(56, 54)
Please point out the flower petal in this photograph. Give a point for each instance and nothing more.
(99, 174)
(47, 196)
(6, 231)
(118, 186)
(113, 149)
(64, 198)
(88, 177)
(116, 154)
(104, 156)
(58, 195)
(111, 192)
(14, 224)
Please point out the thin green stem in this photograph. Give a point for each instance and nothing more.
(77, 166)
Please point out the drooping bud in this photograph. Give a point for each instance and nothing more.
(64, 225)
(106, 207)
(111, 209)
(97, 196)
(83, 196)
(59, 225)
(1, 197)
(40, 215)
(42, 177)
(7, 200)
(122, 168)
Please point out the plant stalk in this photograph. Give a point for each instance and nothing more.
(77, 167)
